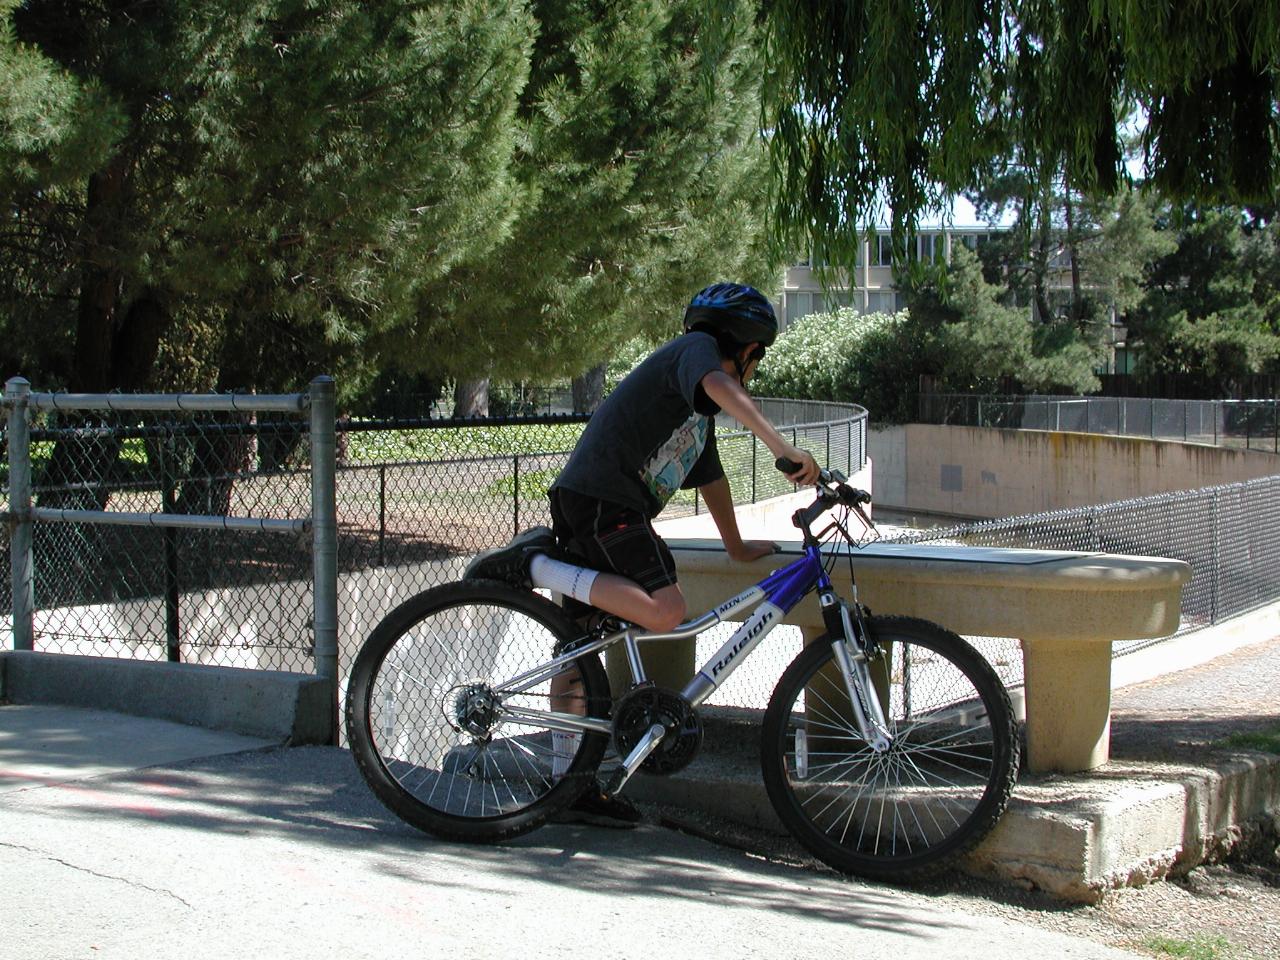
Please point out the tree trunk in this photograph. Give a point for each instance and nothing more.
(99, 281)
(217, 457)
(85, 463)
(471, 398)
(136, 344)
(588, 390)
(1077, 305)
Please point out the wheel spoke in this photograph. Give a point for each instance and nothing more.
(425, 714)
(930, 793)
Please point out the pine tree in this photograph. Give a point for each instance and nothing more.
(641, 179)
(282, 174)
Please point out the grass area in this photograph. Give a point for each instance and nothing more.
(392, 446)
(1195, 948)
(1267, 741)
(534, 484)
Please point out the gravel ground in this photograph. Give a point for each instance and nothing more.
(1224, 911)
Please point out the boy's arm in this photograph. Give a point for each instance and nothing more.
(728, 394)
(719, 501)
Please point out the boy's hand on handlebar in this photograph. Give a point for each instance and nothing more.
(809, 469)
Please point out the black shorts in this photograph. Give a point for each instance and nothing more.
(613, 538)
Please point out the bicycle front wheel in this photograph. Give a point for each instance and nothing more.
(933, 794)
(440, 736)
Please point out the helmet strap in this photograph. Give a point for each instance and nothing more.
(756, 354)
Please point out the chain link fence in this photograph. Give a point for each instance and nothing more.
(1240, 424)
(415, 500)
(1229, 534)
(164, 533)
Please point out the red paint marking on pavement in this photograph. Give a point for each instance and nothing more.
(101, 797)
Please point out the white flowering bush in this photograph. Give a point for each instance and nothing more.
(826, 356)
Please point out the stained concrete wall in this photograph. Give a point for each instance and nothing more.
(983, 472)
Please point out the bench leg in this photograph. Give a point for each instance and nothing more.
(1068, 697)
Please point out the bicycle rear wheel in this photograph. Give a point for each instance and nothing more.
(427, 713)
(932, 795)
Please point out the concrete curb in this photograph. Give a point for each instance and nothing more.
(1074, 836)
(1078, 837)
(290, 708)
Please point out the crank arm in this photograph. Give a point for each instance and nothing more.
(639, 753)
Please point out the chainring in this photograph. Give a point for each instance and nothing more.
(646, 705)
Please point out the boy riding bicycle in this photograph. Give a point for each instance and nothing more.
(654, 434)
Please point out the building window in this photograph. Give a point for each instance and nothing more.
(799, 304)
(884, 250)
(880, 301)
(835, 299)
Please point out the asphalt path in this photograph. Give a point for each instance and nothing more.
(129, 838)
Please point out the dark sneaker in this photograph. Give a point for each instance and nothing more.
(601, 810)
(510, 563)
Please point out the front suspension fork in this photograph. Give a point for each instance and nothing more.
(850, 648)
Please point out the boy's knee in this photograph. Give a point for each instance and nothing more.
(671, 609)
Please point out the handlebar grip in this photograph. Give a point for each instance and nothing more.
(787, 466)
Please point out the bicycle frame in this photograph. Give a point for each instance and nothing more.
(772, 598)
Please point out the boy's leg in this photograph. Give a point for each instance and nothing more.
(660, 611)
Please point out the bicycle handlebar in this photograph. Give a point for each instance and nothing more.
(832, 490)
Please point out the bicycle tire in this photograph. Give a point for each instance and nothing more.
(933, 795)
(403, 726)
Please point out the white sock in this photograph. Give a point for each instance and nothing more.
(564, 748)
(562, 578)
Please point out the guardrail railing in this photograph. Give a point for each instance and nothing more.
(1243, 424)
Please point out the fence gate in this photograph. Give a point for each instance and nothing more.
(79, 493)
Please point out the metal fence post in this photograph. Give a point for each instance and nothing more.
(324, 529)
(382, 515)
(17, 392)
(172, 587)
(515, 494)
(754, 443)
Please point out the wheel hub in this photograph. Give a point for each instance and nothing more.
(475, 709)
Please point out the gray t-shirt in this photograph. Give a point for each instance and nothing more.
(654, 434)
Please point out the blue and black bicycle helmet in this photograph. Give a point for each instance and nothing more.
(733, 312)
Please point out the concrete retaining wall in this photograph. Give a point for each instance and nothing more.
(983, 472)
(291, 708)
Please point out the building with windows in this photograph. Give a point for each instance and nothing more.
(871, 289)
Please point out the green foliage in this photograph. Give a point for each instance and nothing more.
(845, 356)
(625, 358)
(1265, 740)
(411, 446)
(1193, 948)
(899, 103)
(54, 130)
(281, 176)
(640, 179)
(1210, 308)
(959, 332)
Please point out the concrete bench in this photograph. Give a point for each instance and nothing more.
(1066, 608)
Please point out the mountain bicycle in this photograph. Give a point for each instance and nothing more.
(477, 710)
